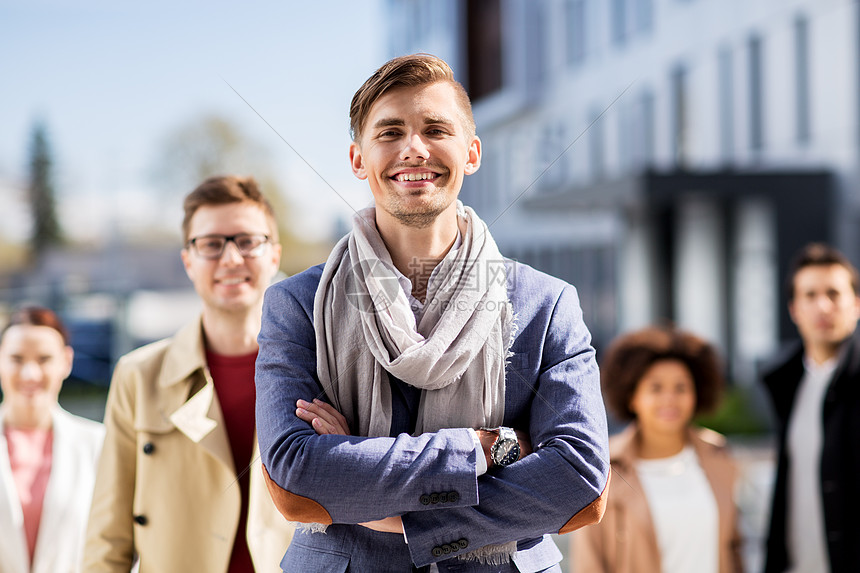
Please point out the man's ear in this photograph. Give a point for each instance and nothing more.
(186, 262)
(473, 161)
(356, 161)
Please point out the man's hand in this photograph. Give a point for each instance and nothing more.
(387, 525)
(488, 438)
(326, 420)
(322, 417)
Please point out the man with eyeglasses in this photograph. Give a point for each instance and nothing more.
(179, 485)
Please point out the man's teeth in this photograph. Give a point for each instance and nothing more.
(415, 176)
(233, 281)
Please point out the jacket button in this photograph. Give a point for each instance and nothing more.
(140, 519)
(443, 497)
(424, 499)
(453, 497)
(463, 543)
(437, 551)
(446, 549)
(434, 498)
(148, 448)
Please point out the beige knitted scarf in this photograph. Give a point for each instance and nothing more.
(365, 329)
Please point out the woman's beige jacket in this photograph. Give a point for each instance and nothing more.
(625, 541)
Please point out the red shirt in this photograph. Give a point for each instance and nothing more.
(234, 384)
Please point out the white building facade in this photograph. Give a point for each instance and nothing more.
(667, 157)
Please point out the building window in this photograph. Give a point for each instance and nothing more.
(626, 136)
(801, 79)
(484, 47)
(680, 103)
(727, 108)
(643, 135)
(628, 17)
(756, 95)
(644, 15)
(618, 21)
(575, 11)
(535, 47)
(550, 165)
(596, 145)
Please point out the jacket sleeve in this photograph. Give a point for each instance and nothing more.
(562, 485)
(341, 479)
(109, 545)
(329, 479)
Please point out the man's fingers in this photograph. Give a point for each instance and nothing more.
(323, 417)
(331, 412)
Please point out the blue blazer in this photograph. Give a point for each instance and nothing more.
(552, 390)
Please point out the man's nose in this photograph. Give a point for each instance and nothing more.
(824, 302)
(231, 255)
(415, 148)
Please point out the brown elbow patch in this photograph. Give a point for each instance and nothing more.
(591, 513)
(296, 507)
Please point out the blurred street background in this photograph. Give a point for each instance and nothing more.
(667, 157)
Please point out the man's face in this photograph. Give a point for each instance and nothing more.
(414, 152)
(231, 283)
(825, 307)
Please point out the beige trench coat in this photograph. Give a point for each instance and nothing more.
(625, 541)
(166, 488)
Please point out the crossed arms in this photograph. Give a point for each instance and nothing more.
(552, 392)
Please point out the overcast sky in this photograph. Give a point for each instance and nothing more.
(111, 80)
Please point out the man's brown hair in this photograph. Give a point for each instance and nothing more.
(631, 355)
(819, 255)
(223, 190)
(406, 71)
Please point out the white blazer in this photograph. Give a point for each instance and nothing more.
(76, 448)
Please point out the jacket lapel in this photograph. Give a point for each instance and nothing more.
(201, 420)
(198, 416)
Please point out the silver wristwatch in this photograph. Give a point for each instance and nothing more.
(506, 449)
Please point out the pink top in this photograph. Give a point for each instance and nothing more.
(30, 455)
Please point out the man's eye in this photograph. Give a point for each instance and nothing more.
(209, 244)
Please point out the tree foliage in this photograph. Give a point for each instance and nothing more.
(205, 146)
(40, 192)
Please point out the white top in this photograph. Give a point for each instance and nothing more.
(807, 549)
(60, 541)
(684, 511)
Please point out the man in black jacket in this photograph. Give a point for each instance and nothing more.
(815, 390)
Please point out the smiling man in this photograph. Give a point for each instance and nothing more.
(173, 488)
(815, 391)
(424, 402)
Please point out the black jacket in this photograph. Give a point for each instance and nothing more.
(840, 458)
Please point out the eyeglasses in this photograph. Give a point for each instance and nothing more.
(212, 246)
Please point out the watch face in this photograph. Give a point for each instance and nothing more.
(505, 448)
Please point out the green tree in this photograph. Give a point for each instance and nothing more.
(46, 227)
(209, 145)
(204, 146)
